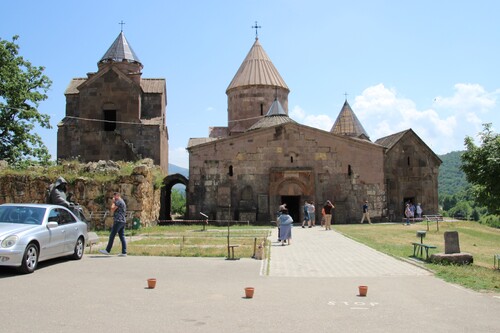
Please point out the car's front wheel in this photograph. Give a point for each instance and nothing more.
(30, 259)
(79, 248)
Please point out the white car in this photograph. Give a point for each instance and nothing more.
(30, 233)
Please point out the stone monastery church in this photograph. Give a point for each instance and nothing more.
(261, 160)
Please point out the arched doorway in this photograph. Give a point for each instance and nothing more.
(166, 194)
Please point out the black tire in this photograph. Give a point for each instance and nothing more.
(30, 259)
(79, 248)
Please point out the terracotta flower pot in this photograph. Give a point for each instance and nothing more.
(249, 292)
(363, 290)
(151, 283)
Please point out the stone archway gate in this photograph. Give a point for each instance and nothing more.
(166, 194)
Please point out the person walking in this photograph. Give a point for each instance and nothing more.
(328, 214)
(285, 221)
(366, 213)
(312, 214)
(306, 215)
(119, 211)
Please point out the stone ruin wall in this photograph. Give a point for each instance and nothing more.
(137, 189)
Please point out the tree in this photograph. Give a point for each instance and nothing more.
(481, 165)
(178, 202)
(22, 88)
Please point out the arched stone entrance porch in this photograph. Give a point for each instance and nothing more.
(291, 187)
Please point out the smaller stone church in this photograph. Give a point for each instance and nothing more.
(263, 159)
(115, 113)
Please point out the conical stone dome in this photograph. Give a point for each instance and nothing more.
(348, 124)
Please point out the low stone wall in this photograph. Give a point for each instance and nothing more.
(137, 189)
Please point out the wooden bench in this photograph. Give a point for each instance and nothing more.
(431, 218)
(419, 247)
(92, 239)
(496, 261)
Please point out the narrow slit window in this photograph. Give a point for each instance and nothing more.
(230, 173)
(349, 170)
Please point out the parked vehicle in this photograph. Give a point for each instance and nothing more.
(30, 233)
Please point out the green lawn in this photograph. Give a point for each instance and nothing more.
(479, 240)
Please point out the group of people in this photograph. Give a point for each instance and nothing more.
(57, 196)
(285, 221)
(412, 211)
(309, 214)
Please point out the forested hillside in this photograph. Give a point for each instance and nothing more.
(451, 179)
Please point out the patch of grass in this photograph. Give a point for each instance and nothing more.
(190, 241)
(479, 240)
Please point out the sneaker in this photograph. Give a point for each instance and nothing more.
(122, 255)
(104, 252)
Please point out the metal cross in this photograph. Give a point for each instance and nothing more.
(345, 94)
(256, 32)
(121, 23)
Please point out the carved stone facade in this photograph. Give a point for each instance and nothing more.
(245, 171)
(115, 114)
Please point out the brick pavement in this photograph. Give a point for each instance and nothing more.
(315, 252)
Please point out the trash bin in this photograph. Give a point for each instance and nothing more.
(136, 223)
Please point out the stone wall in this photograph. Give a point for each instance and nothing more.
(137, 189)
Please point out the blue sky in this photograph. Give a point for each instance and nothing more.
(427, 65)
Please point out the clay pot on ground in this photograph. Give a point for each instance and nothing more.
(363, 290)
(249, 292)
(151, 283)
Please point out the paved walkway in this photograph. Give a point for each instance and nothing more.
(318, 253)
(312, 286)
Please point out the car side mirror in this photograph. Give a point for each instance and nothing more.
(51, 225)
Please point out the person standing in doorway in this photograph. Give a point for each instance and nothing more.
(366, 214)
(408, 214)
(328, 214)
(419, 211)
(119, 211)
(306, 215)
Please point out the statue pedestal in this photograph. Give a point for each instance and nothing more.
(453, 258)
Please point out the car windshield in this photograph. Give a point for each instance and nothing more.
(21, 214)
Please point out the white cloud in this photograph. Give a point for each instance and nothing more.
(382, 111)
(179, 156)
(468, 97)
(321, 121)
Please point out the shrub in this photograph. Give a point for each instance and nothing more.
(490, 220)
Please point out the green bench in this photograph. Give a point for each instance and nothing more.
(418, 247)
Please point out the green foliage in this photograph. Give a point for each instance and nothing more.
(22, 88)
(451, 178)
(481, 165)
(462, 209)
(491, 220)
(178, 202)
